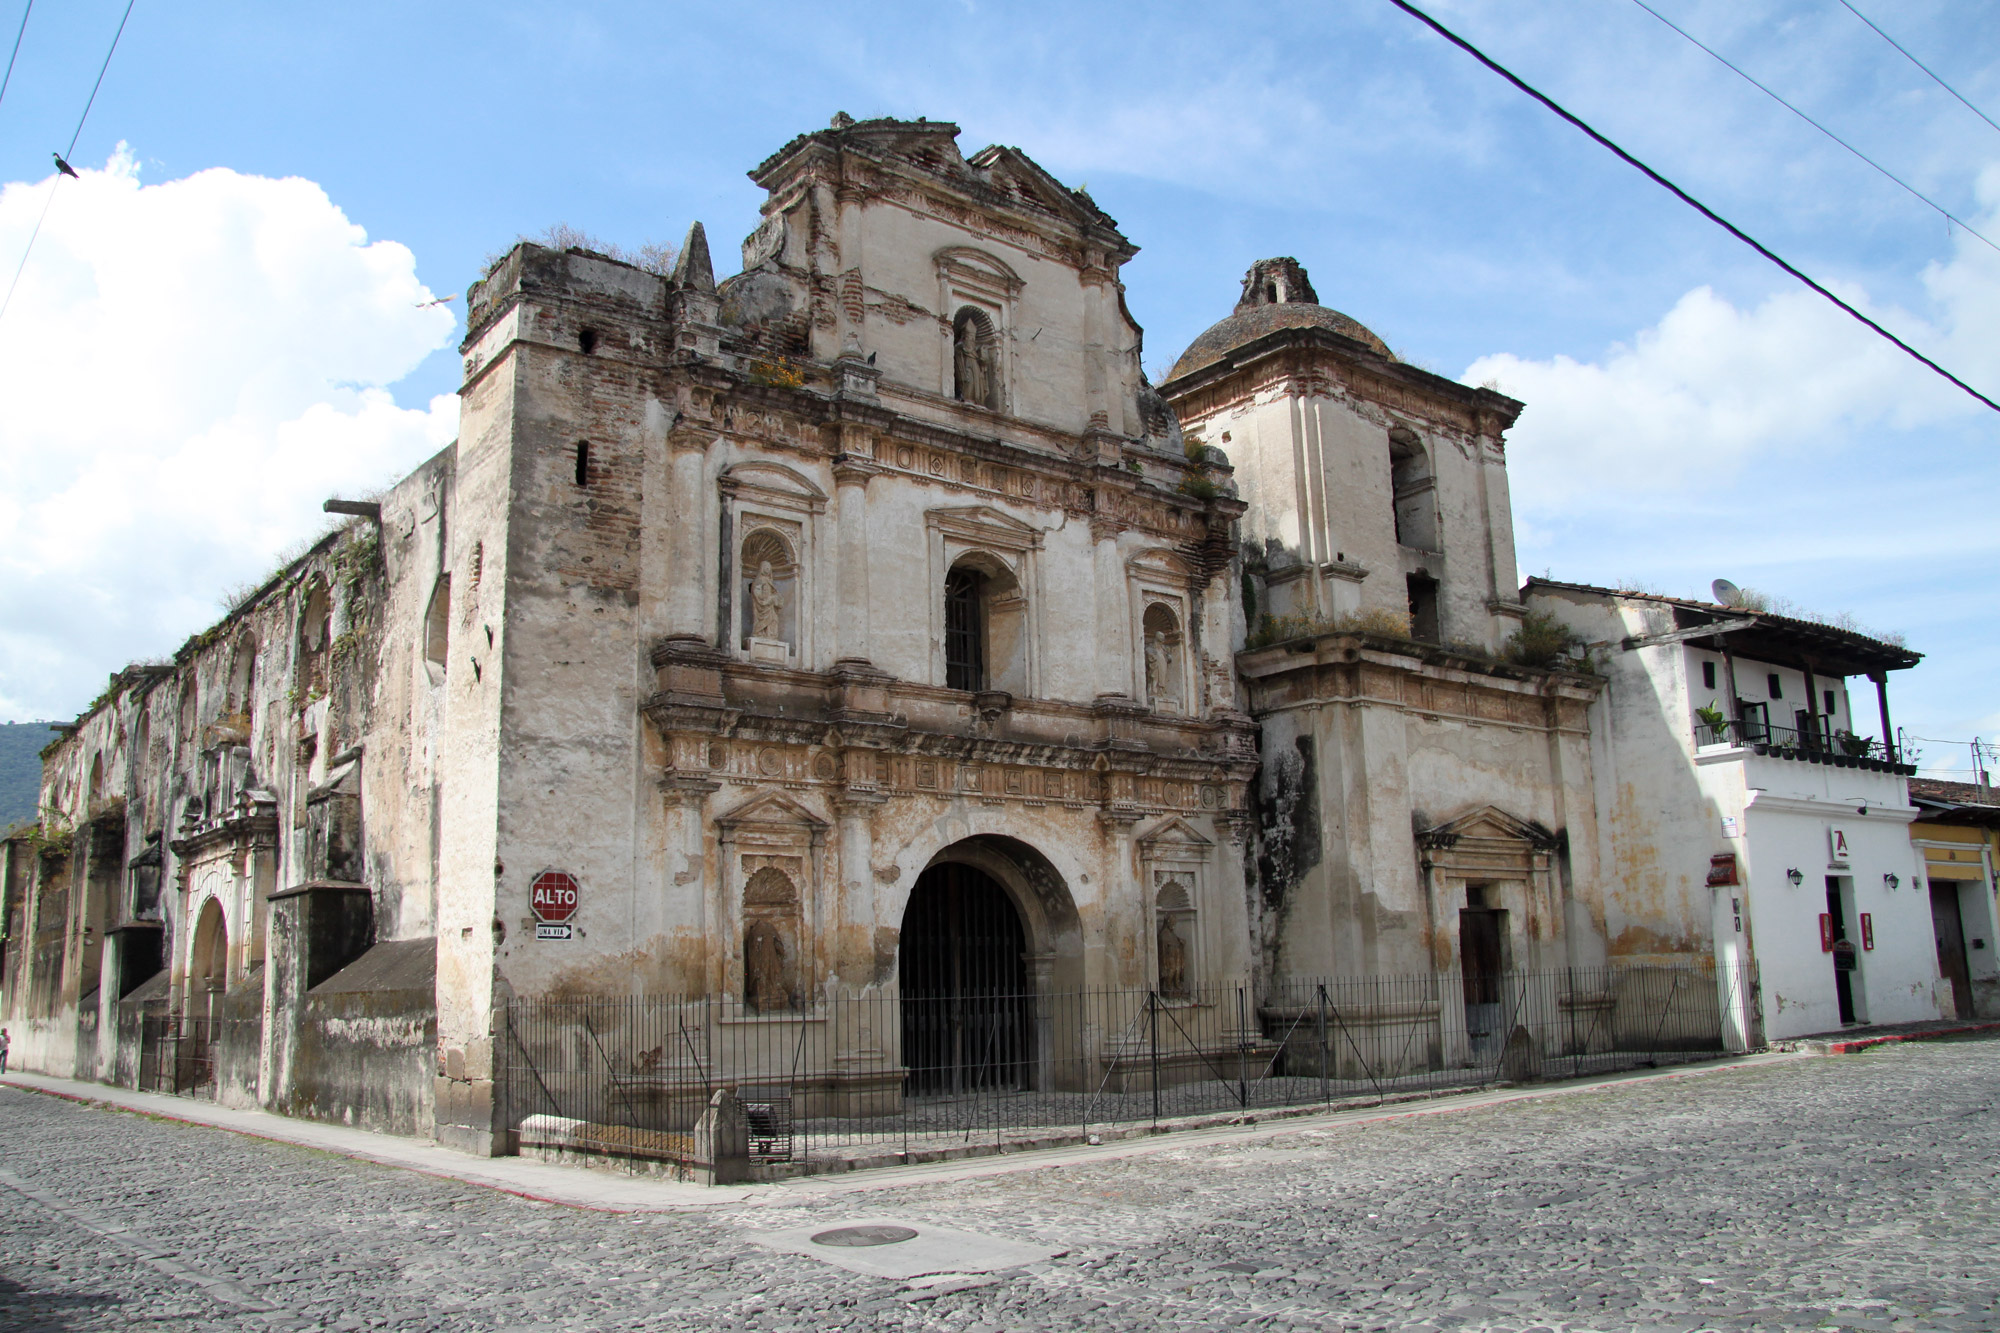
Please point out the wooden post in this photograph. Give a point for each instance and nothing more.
(1729, 679)
(1881, 679)
(1811, 740)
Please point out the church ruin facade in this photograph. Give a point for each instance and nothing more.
(863, 624)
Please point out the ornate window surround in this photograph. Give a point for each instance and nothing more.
(969, 276)
(1175, 851)
(770, 495)
(771, 829)
(952, 534)
(1158, 576)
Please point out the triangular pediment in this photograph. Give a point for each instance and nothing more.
(1013, 172)
(968, 261)
(984, 516)
(982, 524)
(768, 809)
(1174, 832)
(1488, 822)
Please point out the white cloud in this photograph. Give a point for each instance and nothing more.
(190, 369)
(1714, 388)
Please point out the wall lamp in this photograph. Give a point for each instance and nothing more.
(1892, 881)
(1796, 876)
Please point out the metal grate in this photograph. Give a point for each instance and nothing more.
(964, 636)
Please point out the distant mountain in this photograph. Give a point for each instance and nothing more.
(21, 768)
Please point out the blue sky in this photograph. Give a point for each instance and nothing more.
(1691, 415)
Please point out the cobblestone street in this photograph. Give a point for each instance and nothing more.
(1851, 1192)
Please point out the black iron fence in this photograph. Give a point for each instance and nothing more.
(1794, 742)
(178, 1055)
(870, 1077)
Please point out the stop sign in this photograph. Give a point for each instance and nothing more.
(553, 895)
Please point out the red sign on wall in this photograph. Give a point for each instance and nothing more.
(553, 896)
(1826, 932)
(1867, 930)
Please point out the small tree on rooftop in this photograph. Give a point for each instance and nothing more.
(1543, 641)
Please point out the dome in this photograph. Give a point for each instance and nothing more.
(1276, 295)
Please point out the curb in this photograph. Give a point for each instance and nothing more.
(1854, 1045)
(918, 1169)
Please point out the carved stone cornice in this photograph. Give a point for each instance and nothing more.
(855, 470)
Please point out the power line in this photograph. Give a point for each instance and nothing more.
(1682, 195)
(1948, 216)
(1918, 63)
(100, 78)
(19, 33)
(22, 267)
(56, 183)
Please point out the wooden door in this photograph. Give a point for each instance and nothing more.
(1949, 928)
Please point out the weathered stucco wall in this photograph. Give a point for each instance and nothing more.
(288, 745)
(1396, 776)
(1675, 804)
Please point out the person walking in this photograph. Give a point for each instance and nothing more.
(3, 1050)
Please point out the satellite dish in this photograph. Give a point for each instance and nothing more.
(1726, 592)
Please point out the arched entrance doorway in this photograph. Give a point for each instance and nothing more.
(963, 966)
(208, 971)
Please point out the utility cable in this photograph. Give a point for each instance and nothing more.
(1738, 70)
(1918, 63)
(19, 33)
(1681, 194)
(56, 183)
(100, 78)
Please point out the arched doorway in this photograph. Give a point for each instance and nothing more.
(208, 970)
(963, 967)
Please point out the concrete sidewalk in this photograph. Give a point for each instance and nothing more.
(616, 1191)
(1860, 1038)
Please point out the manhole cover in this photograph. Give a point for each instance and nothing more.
(854, 1236)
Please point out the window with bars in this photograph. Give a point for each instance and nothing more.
(964, 632)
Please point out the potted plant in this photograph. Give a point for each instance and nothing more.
(1716, 723)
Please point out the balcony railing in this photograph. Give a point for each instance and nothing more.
(1841, 748)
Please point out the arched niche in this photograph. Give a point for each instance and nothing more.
(771, 971)
(975, 358)
(770, 513)
(208, 959)
(315, 638)
(977, 291)
(1165, 648)
(1174, 938)
(242, 674)
(769, 595)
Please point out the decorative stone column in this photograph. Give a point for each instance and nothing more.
(687, 890)
(1121, 889)
(687, 599)
(1114, 611)
(851, 474)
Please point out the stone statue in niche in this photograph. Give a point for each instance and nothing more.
(972, 375)
(1173, 953)
(766, 985)
(766, 605)
(1162, 692)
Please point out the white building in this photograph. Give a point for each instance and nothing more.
(1737, 790)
